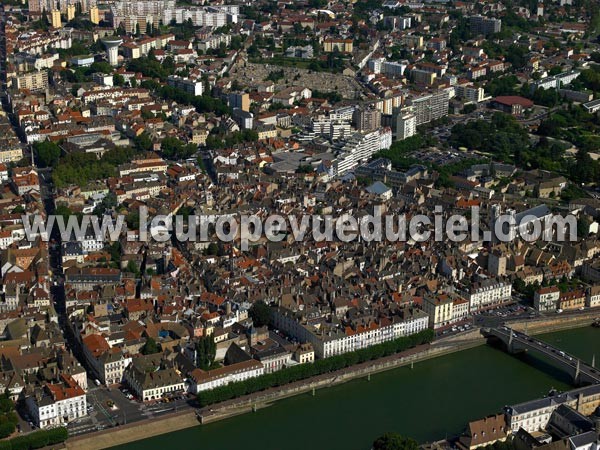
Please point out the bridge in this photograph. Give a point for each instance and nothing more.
(515, 342)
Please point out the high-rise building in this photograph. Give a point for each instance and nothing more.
(33, 81)
(406, 125)
(366, 119)
(540, 9)
(94, 15)
(194, 87)
(485, 25)
(55, 18)
(431, 106)
(61, 5)
(70, 12)
(240, 100)
(422, 76)
(133, 13)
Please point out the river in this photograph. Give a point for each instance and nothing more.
(431, 401)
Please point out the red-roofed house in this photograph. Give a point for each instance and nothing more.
(57, 404)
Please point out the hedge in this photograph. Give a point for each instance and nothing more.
(37, 439)
(319, 367)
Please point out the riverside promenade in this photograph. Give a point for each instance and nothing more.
(192, 417)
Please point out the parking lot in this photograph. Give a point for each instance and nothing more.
(111, 407)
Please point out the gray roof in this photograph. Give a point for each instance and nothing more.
(539, 212)
(378, 188)
(583, 439)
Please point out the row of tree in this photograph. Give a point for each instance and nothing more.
(319, 367)
(37, 439)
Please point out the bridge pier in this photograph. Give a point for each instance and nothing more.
(516, 342)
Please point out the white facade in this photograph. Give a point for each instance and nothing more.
(336, 342)
(57, 405)
(489, 293)
(206, 380)
(546, 299)
(194, 87)
(114, 369)
(470, 93)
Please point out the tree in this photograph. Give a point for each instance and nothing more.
(212, 249)
(206, 351)
(115, 254)
(6, 404)
(394, 441)
(108, 202)
(101, 66)
(64, 211)
(583, 226)
(46, 153)
(118, 79)
(173, 148)
(143, 142)
(133, 220)
(469, 108)
(150, 347)
(260, 313)
(133, 268)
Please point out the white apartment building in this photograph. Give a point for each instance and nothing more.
(329, 341)
(470, 93)
(487, 293)
(200, 17)
(375, 64)
(214, 42)
(57, 404)
(392, 68)
(194, 87)
(555, 82)
(114, 364)
(546, 299)
(360, 147)
(204, 380)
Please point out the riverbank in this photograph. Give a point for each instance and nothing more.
(558, 322)
(242, 405)
(167, 424)
(264, 399)
(134, 431)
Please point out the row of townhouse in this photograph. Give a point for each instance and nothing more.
(203, 380)
(330, 339)
(535, 415)
(552, 299)
(488, 293)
